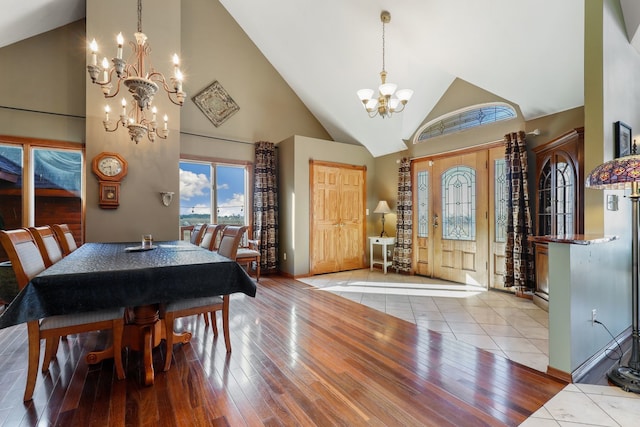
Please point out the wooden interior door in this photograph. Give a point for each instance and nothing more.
(460, 204)
(351, 229)
(337, 217)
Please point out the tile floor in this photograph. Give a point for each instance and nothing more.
(499, 322)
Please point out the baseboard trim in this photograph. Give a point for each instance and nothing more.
(557, 373)
(599, 360)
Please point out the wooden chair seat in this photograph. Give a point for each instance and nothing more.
(175, 309)
(196, 233)
(211, 236)
(26, 260)
(47, 243)
(65, 238)
(250, 256)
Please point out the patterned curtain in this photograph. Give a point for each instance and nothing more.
(265, 205)
(519, 251)
(404, 224)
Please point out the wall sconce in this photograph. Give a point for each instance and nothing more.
(167, 196)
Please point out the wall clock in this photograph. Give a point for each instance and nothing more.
(110, 168)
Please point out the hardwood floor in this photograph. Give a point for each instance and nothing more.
(300, 357)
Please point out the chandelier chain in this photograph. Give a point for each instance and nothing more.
(383, 68)
(388, 100)
(139, 16)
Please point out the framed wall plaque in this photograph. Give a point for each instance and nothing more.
(622, 139)
(216, 103)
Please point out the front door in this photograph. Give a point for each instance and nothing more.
(460, 219)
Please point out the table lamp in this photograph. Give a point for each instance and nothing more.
(617, 174)
(382, 208)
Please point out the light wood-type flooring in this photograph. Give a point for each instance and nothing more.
(300, 356)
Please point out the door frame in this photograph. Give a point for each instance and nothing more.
(436, 157)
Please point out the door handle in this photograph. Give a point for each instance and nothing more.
(435, 221)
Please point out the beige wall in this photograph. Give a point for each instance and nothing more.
(214, 47)
(42, 86)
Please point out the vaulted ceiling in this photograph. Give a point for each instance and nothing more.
(529, 52)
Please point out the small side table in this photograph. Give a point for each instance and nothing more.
(384, 242)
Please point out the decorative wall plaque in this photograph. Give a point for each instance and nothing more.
(216, 103)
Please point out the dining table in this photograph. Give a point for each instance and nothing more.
(98, 276)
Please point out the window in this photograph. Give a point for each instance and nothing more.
(213, 192)
(459, 203)
(500, 201)
(423, 203)
(465, 119)
(11, 159)
(49, 192)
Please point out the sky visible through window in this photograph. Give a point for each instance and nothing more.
(196, 185)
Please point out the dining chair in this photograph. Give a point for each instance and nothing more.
(65, 238)
(211, 236)
(196, 233)
(47, 243)
(27, 262)
(250, 255)
(169, 312)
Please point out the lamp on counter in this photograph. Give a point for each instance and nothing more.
(382, 208)
(619, 174)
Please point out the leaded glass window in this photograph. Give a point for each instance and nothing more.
(500, 201)
(565, 197)
(465, 119)
(459, 203)
(423, 203)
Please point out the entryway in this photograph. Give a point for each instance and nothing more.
(461, 215)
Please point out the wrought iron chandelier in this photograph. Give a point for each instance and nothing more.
(389, 100)
(142, 84)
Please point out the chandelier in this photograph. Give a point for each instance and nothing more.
(142, 85)
(389, 100)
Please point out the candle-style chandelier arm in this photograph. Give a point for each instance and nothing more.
(174, 92)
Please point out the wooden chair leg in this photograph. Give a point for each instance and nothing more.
(168, 322)
(50, 351)
(206, 320)
(33, 328)
(118, 330)
(214, 323)
(225, 322)
(258, 269)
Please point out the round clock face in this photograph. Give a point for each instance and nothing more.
(110, 166)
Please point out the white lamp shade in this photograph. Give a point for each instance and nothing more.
(365, 94)
(371, 105)
(404, 94)
(393, 103)
(383, 207)
(387, 89)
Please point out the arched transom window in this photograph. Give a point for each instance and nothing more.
(465, 119)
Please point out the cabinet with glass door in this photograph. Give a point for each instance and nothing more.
(559, 191)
